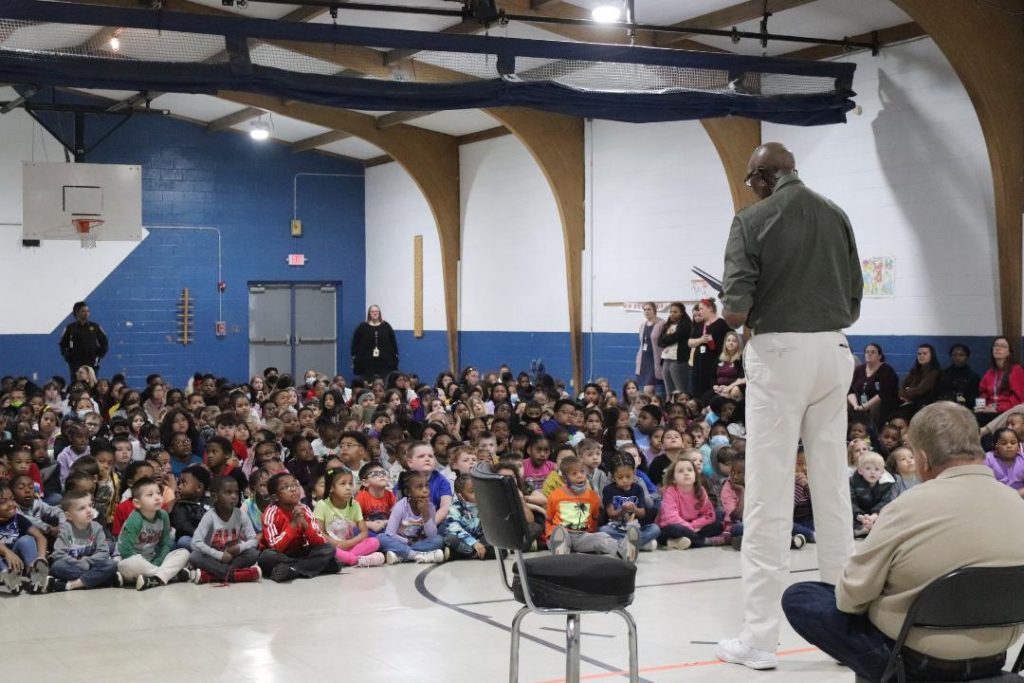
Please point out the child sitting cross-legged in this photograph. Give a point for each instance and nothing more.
(293, 545)
(190, 505)
(341, 520)
(687, 515)
(411, 534)
(22, 547)
(868, 493)
(464, 535)
(375, 498)
(624, 503)
(572, 514)
(146, 544)
(224, 542)
(81, 553)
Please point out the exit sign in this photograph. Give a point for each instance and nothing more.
(296, 259)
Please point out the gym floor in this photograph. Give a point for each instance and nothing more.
(408, 622)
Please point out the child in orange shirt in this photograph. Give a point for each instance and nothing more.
(572, 514)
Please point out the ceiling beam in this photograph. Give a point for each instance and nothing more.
(481, 135)
(241, 116)
(464, 27)
(318, 140)
(377, 161)
(397, 117)
(727, 17)
(535, 4)
(886, 36)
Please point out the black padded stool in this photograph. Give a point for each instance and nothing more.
(569, 585)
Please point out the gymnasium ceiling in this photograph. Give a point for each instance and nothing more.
(835, 19)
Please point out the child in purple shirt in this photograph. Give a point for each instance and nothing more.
(1006, 459)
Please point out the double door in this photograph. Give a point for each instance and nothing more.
(293, 327)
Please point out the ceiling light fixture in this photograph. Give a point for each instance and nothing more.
(606, 14)
(259, 130)
(115, 41)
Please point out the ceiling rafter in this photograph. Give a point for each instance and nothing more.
(397, 117)
(315, 141)
(108, 101)
(727, 17)
(886, 36)
(233, 119)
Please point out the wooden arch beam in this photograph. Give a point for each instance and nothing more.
(985, 46)
(556, 143)
(734, 138)
(432, 159)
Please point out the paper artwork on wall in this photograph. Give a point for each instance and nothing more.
(879, 276)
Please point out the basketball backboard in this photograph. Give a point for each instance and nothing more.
(56, 195)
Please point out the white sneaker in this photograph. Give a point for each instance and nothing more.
(371, 560)
(650, 546)
(632, 544)
(392, 557)
(799, 541)
(734, 651)
(681, 543)
(558, 543)
(440, 556)
(425, 558)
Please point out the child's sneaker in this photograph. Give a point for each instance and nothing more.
(558, 543)
(632, 544)
(392, 557)
(146, 582)
(720, 539)
(56, 585)
(37, 589)
(203, 576)
(650, 546)
(247, 575)
(736, 542)
(117, 581)
(441, 556)
(446, 554)
(38, 576)
(681, 543)
(799, 541)
(12, 580)
(371, 560)
(185, 575)
(425, 558)
(282, 573)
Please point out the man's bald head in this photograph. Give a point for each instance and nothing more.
(772, 157)
(767, 164)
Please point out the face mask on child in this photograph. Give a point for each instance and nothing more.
(622, 443)
(82, 413)
(719, 440)
(310, 381)
(578, 489)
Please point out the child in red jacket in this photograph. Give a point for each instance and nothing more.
(292, 545)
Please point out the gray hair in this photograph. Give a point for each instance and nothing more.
(947, 433)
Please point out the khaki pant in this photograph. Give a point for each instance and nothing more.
(796, 389)
(135, 566)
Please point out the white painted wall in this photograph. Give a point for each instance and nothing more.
(396, 211)
(57, 273)
(912, 172)
(659, 204)
(513, 263)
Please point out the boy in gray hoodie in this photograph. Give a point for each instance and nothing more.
(81, 553)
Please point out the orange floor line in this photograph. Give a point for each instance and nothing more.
(671, 667)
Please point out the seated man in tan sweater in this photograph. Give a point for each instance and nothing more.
(958, 516)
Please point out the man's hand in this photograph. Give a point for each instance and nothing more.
(735, 320)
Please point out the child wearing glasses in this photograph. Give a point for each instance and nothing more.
(375, 498)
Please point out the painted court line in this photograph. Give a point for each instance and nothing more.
(673, 667)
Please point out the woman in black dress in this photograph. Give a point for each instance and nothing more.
(707, 346)
(374, 348)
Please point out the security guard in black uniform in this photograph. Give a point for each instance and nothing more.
(83, 342)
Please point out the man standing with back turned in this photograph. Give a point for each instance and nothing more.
(792, 275)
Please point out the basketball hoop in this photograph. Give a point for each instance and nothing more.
(84, 226)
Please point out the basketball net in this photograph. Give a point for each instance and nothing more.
(84, 226)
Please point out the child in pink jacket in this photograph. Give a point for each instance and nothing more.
(687, 516)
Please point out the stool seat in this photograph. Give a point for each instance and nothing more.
(577, 582)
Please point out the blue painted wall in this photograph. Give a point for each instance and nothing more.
(612, 355)
(244, 189)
